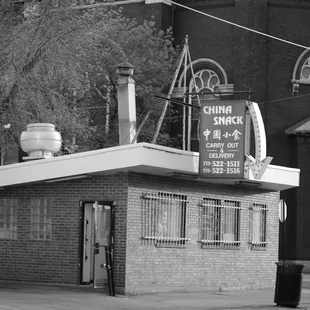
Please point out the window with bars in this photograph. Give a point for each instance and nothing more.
(164, 219)
(259, 226)
(8, 218)
(41, 219)
(219, 223)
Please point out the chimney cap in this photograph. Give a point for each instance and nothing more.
(125, 68)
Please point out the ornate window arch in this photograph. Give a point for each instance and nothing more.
(301, 72)
(206, 81)
(204, 64)
(208, 76)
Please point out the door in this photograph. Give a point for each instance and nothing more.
(102, 226)
(88, 241)
(96, 234)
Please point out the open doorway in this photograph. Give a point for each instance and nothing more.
(96, 232)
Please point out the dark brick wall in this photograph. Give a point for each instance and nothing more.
(254, 61)
(266, 65)
(242, 54)
(281, 60)
(280, 115)
(297, 229)
(303, 201)
(160, 13)
(57, 260)
(207, 38)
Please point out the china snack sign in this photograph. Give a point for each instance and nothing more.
(222, 136)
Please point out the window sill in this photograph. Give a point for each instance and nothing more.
(167, 242)
(261, 246)
(220, 245)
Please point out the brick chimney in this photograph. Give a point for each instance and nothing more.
(126, 97)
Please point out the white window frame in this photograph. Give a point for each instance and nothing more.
(8, 218)
(258, 239)
(220, 223)
(164, 217)
(41, 219)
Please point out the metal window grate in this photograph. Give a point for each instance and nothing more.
(219, 223)
(41, 219)
(8, 218)
(164, 219)
(258, 226)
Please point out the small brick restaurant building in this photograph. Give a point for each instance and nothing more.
(171, 227)
(173, 230)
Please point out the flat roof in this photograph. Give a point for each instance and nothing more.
(140, 157)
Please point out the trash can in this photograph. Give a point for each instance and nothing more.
(288, 284)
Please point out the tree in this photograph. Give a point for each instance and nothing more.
(57, 65)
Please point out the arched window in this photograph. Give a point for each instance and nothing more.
(206, 81)
(305, 71)
(301, 72)
(209, 76)
(204, 69)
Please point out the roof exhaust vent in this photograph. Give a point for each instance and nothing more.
(40, 140)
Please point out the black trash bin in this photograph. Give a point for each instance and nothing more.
(288, 284)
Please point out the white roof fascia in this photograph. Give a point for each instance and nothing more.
(139, 157)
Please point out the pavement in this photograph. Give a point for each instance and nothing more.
(25, 296)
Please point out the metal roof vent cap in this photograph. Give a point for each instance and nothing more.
(40, 140)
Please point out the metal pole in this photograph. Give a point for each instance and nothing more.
(190, 109)
(283, 240)
(141, 126)
(184, 98)
(168, 97)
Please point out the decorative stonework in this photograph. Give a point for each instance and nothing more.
(305, 71)
(206, 3)
(157, 1)
(301, 72)
(301, 128)
(300, 4)
(206, 81)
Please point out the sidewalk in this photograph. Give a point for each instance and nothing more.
(17, 296)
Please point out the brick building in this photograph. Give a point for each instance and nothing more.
(171, 232)
(50, 201)
(169, 228)
(277, 72)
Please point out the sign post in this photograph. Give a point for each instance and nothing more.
(222, 139)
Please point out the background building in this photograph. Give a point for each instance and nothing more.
(277, 72)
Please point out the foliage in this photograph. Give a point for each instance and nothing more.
(57, 65)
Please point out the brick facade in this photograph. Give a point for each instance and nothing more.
(253, 61)
(266, 66)
(152, 269)
(138, 268)
(57, 260)
(249, 60)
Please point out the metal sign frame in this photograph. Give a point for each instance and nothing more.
(222, 139)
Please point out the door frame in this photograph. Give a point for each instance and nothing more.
(82, 203)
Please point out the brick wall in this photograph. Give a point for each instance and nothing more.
(266, 65)
(138, 268)
(152, 269)
(251, 60)
(57, 261)
(160, 13)
(280, 64)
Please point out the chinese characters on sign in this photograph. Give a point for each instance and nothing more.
(222, 130)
